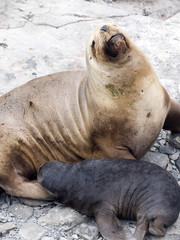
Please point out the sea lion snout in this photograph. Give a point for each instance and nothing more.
(116, 45)
(108, 42)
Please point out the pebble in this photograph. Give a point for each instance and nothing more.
(172, 162)
(163, 135)
(178, 164)
(12, 233)
(169, 167)
(156, 145)
(167, 149)
(153, 149)
(175, 174)
(87, 231)
(174, 140)
(162, 142)
(174, 156)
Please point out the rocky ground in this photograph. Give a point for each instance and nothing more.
(40, 37)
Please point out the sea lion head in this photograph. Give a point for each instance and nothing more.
(162, 218)
(108, 44)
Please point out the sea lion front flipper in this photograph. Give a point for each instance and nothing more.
(141, 228)
(172, 121)
(110, 227)
(23, 187)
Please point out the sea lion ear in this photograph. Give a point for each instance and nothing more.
(116, 45)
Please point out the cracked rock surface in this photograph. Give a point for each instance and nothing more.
(40, 37)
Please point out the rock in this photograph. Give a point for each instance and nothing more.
(172, 162)
(21, 211)
(3, 219)
(7, 227)
(30, 231)
(4, 205)
(131, 225)
(157, 158)
(167, 149)
(174, 140)
(64, 217)
(74, 236)
(12, 233)
(174, 167)
(178, 164)
(35, 203)
(163, 134)
(156, 145)
(175, 174)
(162, 142)
(169, 167)
(87, 231)
(174, 156)
(153, 149)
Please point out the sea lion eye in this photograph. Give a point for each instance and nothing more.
(93, 48)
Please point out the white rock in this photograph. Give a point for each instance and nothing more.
(7, 227)
(21, 211)
(87, 231)
(169, 167)
(31, 231)
(64, 217)
(174, 156)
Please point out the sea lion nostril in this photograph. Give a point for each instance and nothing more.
(104, 28)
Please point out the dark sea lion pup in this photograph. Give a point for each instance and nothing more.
(108, 189)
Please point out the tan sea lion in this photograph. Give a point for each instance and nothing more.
(116, 189)
(115, 109)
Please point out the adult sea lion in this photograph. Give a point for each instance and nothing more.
(108, 189)
(115, 109)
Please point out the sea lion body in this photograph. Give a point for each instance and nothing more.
(107, 189)
(115, 109)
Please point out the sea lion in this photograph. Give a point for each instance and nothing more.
(115, 109)
(108, 189)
